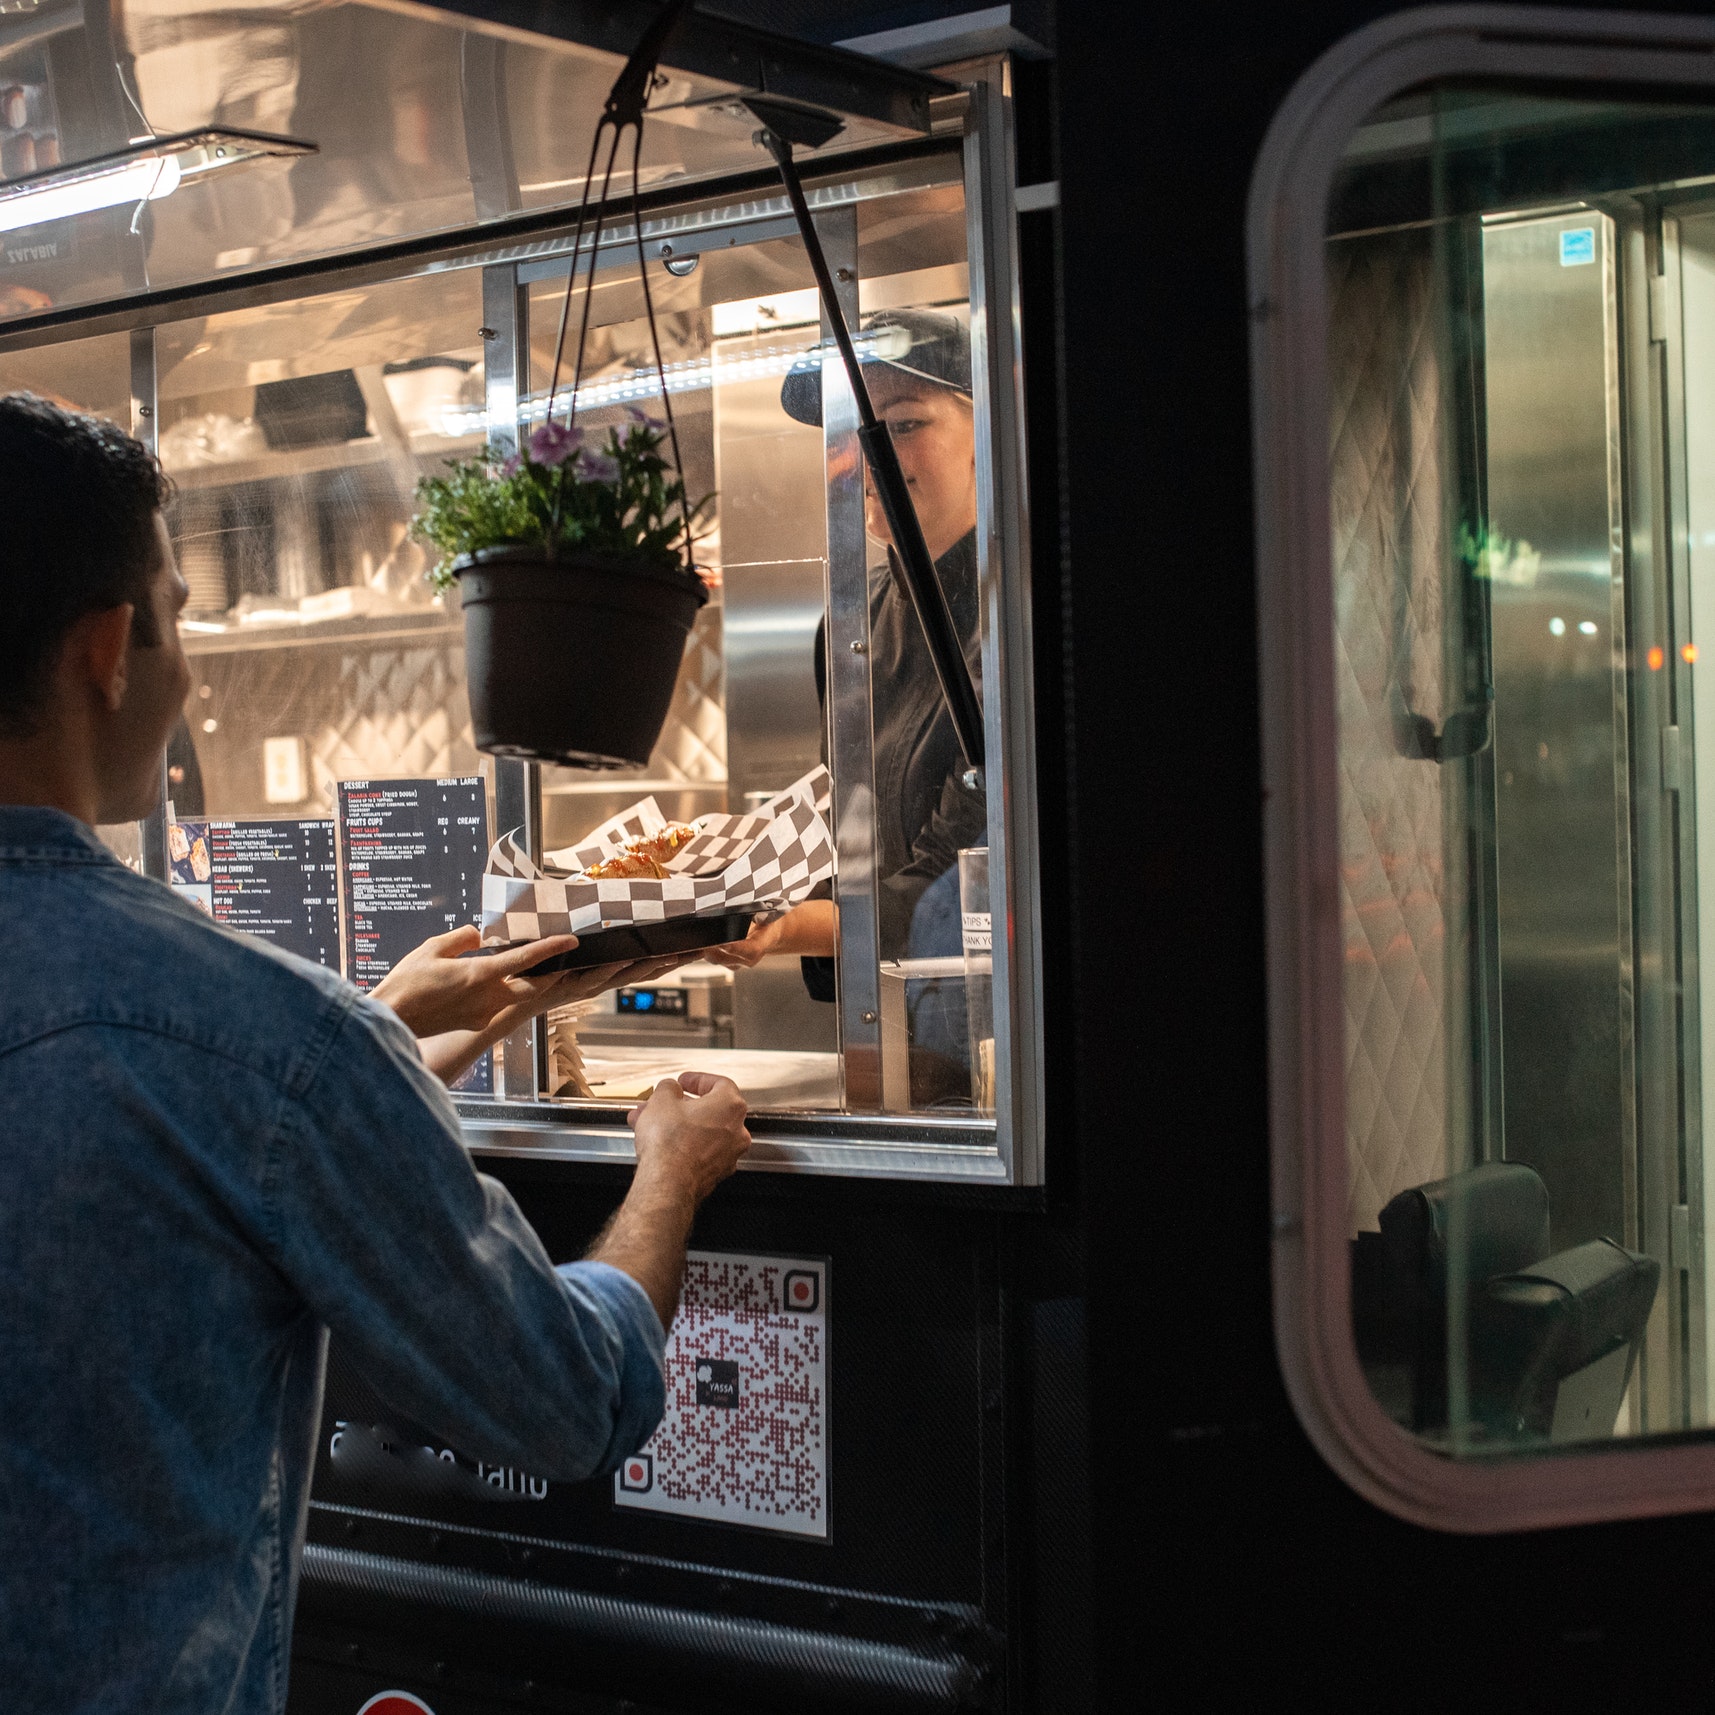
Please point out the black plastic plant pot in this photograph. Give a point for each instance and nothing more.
(572, 659)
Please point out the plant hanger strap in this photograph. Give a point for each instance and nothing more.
(624, 108)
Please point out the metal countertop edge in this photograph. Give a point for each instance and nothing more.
(960, 1164)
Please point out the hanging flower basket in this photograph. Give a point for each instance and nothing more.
(573, 555)
(576, 599)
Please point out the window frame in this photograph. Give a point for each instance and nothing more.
(1005, 1151)
(1287, 304)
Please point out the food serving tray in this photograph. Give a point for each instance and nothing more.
(626, 942)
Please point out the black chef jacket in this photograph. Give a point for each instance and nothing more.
(924, 814)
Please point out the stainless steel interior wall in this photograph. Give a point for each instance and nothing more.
(773, 545)
(1562, 822)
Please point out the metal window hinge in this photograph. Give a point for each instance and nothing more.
(1679, 1237)
(1670, 776)
(1658, 308)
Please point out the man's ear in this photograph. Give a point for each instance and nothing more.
(98, 652)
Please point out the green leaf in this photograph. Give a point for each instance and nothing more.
(498, 500)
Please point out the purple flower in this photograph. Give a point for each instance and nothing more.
(638, 416)
(598, 467)
(511, 466)
(554, 443)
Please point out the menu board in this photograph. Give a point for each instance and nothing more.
(411, 854)
(273, 876)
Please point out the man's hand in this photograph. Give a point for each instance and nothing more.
(690, 1133)
(433, 990)
(459, 1008)
(690, 1136)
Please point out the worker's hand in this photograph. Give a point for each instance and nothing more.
(690, 1134)
(763, 939)
(807, 929)
(433, 990)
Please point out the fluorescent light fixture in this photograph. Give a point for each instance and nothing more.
(145, 172)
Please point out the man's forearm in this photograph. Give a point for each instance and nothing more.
(647, 1236)
(451, 1054)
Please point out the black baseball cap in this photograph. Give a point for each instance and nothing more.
(928, 344)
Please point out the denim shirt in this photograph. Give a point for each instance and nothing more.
(210, 1154)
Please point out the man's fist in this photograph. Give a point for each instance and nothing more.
(691, 1132)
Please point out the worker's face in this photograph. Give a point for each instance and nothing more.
(157, 678)
(933, 433)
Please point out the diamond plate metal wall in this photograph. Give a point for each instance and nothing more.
(363, 709)
(1391, 548)
(692, 745)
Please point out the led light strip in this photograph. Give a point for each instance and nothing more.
(689, 376)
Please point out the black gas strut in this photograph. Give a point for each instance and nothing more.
(782, 126)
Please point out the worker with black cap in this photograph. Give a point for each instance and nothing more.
(918, 368)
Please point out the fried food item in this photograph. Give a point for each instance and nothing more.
(628, 866)
(645, 858)
(199, 858)
(178, 843)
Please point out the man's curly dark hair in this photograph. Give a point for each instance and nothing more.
(77, 536)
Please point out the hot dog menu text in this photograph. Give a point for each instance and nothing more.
(273, 877)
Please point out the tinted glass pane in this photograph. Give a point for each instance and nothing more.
(324, 786)
(1522, 367)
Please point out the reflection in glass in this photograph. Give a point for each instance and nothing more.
(1522, 351)
(420, 125)
(295, 435)
(740, 330)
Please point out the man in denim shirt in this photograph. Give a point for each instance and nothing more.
(211, 1153)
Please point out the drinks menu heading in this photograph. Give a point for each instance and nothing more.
(412, 853)
(411, 857)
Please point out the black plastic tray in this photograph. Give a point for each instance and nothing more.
(628, 941)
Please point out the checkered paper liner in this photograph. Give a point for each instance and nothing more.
(772, 857)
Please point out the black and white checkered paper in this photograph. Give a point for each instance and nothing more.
(772, 857)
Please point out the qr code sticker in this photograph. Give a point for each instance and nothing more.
(745, 1437)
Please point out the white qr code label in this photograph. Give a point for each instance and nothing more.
(745, 1438)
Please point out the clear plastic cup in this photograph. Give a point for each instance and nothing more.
(978, 935)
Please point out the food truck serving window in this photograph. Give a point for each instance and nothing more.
(325, 789)
(1485, 382)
